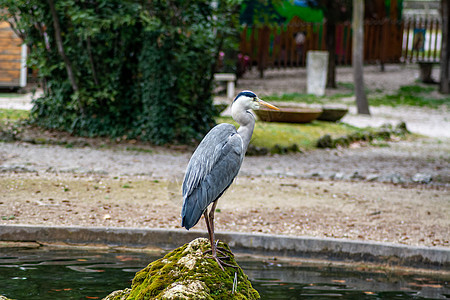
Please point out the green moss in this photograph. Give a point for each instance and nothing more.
(284, 137)
(117, 295)
(188, 273)
(384, 133)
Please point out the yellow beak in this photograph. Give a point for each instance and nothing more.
(268, 105)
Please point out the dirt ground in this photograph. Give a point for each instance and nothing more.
(359, 193)
(414, 215)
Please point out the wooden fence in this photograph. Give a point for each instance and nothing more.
(385, 41)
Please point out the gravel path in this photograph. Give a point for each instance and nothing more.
(405, 161)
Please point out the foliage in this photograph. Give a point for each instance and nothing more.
(256, 12)
(141, 69)
(333, 10)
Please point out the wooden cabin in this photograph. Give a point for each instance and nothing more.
(13, 56)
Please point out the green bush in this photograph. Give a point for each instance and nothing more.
(141, 69)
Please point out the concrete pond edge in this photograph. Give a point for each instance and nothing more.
(303, 247)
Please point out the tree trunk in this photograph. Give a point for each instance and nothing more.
(331, 47)
(357, 59)
(445, 49)
(60, 46)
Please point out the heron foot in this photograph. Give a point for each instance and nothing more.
(220, 259)
(221, 263)
(221, 251)
(224, 250)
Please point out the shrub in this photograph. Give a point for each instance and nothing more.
(140, 69)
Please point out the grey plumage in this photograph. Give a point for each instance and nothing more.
(211, 170)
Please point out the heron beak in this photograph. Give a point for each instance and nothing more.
(268, 105)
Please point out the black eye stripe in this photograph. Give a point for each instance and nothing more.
(245, 93)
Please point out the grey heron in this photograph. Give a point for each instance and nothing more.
(215, 163)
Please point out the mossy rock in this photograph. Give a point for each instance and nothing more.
(385, 133)
(253, 150)
(278, 149)
(325, 142)
(402, 127)
(342, 141)
(187, 273)
(118, 295)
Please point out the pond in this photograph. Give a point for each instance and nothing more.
(61, 273)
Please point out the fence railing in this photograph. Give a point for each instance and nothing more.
(422, 38)
(385, 41)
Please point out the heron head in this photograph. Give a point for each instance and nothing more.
(249, 100)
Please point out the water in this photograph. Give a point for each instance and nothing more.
(52, 273)
(300, 281)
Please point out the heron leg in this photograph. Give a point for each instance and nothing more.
(211, 225)
(209, 219)
(210, 233)
(211, 240)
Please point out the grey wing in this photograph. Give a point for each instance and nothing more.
(211, 170)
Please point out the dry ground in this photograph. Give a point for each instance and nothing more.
(416, 215)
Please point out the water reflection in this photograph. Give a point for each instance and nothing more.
(66, 274)
(299, 281)
(49, 273)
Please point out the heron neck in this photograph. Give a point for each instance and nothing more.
(246, 121)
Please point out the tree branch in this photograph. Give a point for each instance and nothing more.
(91, 60)
(16, 31)
(60, 47)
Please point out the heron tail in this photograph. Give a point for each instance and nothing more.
(193, 208)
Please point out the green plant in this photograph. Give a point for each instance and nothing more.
(118, 68)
